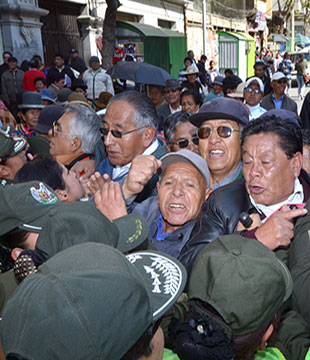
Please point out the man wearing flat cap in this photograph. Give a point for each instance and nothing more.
(219, 124)
(96, 79)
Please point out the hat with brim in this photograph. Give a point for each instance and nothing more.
(47, 95)
(278, 76)
(78, 83)
(221, 108)
(76, 98)
(25, 206)
(239, 92)
(218, 80)
(191, 70)
(10, 146)
(31, 100)
(103, 99)
(39, 145)
(80, 222)
(256, 80)
(98, 291)
(236, 265)
(187, 157)
(47, 117)
(62, 96)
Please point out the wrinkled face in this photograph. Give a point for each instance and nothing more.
(259, 71)
(172, 96)
(184, 131)
(39, 86)
(279, 86)
(58, 61)
(269, 175)
(60, 142)
(251, 97)
(156, 96)
(191, 78)
(122, 151)
(31, 117)
(217, 88)
(221, 154)
(181, 193)
(188, 104)
(74, 189)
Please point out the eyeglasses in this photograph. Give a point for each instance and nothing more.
(222, 131)
(171, 90)
(55, 130)
(183, 143)
(118, 134)
(250, 90)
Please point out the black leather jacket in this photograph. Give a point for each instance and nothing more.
(220, 216)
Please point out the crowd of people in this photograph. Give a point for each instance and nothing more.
(170, 223)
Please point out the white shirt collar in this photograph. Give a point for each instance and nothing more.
(296, 198)
(121, 170)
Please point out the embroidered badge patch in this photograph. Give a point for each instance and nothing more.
(163, 277)
(41, 194)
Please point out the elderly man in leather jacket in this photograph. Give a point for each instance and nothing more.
(273, 181)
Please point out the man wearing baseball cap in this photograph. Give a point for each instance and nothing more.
(277, 98)
(182, 189)
(92, 302)
(96, 79)
(253, 94)
(12, 156)
(219, 124)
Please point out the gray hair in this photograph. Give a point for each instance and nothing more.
(172, 122)
(145, 113)
(85, 125)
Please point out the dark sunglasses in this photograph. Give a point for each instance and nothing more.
(222, 131)
(183, 143)
(118, 134)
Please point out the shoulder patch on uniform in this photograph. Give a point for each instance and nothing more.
(41, 194)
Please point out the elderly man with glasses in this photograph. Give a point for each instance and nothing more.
(219, 124)
(277, 98)
(129, 129)
(74, 135)
(253, 94)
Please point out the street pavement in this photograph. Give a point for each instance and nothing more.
(294, 95)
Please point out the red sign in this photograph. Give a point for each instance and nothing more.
(118, 54)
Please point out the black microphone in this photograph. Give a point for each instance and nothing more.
(245, 219)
